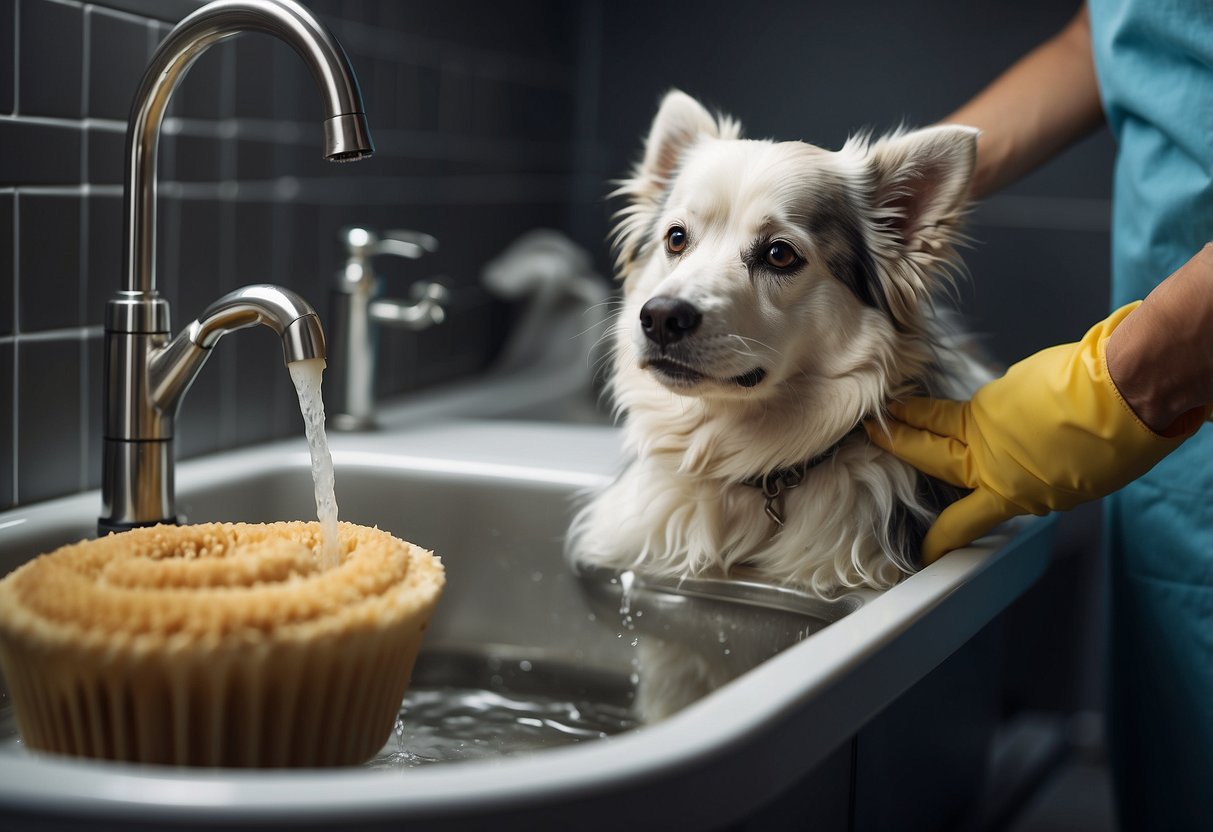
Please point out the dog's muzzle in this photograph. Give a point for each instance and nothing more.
(667, 321)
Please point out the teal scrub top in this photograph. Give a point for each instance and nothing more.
(1154, 60)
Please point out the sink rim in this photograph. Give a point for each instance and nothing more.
(925, 615)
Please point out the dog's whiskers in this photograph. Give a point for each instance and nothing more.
(610, 304)
(745, 338)
(608, 335)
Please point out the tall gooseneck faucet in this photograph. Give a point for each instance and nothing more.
(146, 373)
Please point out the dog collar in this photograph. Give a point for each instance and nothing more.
(774, 484)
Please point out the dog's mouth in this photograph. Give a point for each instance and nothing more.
(676, 374)
(751, 379)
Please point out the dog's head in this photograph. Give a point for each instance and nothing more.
(755, 269)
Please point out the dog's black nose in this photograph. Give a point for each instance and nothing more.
(666, 320)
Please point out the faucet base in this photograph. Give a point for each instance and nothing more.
(105, 527)
(350, 422)
(137, 487)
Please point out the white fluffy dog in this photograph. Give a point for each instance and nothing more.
(775, 296)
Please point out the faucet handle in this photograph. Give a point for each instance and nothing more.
(362, 243)
(405, 243)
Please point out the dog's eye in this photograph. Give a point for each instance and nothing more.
(781, 255)
(675, 240)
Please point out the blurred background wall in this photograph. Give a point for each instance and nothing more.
(490, 119)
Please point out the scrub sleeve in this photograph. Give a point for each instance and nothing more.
(1154, 59)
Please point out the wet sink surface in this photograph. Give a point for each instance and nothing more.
(679, 687)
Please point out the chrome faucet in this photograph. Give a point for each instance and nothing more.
(146, 372)
(358, 309)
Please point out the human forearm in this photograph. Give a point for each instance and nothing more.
(1043, 103)
(1161, 356)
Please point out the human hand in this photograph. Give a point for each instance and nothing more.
(1050, 434)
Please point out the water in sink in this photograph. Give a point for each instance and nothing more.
(468, 706)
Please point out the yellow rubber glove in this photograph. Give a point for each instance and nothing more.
(1050, 434)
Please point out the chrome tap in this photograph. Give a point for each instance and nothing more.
(358, 309)
(146, 372)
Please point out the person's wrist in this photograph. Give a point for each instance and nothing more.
(1133, 368)
(1159, 357)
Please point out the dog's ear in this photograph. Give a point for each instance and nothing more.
(920, 192)
(922, 182)
(681, 121)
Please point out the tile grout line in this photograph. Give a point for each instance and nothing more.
(228, 362)
(16, 499)
(78, 190)
(112, 125)
(438, 144)
(280, 221)
(16, 57)
(16, 343)
(85, 410)
(47, 335)
(379, 190)
(119, 14)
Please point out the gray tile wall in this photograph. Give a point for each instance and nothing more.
(472, 109)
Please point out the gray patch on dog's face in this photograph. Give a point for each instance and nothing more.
(833, 219)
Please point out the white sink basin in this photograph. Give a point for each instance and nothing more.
(493, 498)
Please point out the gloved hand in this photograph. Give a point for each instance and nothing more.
(1050, 434)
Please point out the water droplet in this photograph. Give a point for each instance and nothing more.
(536, 576)
(524, 666)
(625, 598)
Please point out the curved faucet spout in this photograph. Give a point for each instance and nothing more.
(280, 309)
(173, 367)
(347, 136)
